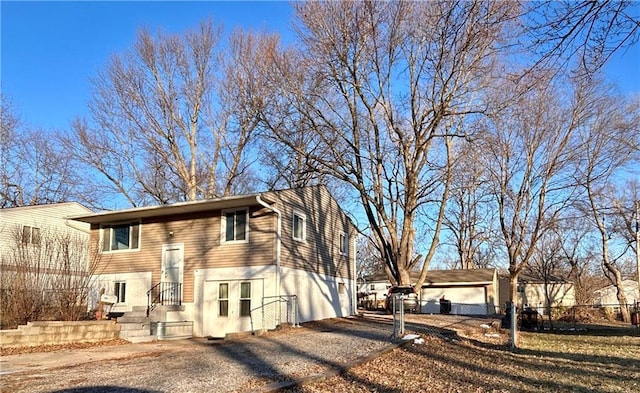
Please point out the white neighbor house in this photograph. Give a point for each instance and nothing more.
(607, 296)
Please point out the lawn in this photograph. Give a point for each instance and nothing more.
(595, 361)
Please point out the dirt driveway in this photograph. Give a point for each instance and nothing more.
(242, 364)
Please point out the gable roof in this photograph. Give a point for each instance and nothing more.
(447, 277)
(48, 206)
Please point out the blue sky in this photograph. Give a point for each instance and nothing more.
(50, 50)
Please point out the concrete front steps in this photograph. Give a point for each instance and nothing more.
(135, 326)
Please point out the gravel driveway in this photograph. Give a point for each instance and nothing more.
(242, 364)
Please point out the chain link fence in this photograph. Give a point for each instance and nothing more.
(578, 317)
(275, 311)
(455, 316)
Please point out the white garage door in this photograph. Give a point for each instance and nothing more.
(464, 300)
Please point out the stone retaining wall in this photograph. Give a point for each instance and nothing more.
(56, 332)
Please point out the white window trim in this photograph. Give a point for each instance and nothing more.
(117, 295)
(346, 240)
(110, 225)
(303, 216)
(223, 226)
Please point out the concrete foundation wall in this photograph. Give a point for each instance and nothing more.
(56, 333)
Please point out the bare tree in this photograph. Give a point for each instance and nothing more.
(549, 264)
(470, 210)
(388, 88)
(368, 261)
(575, 232)
(33, 170)
(45, 275)
(610, 145)
(531, 162)
(591, 31)
(169, 120)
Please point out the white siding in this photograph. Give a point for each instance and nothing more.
(318, 295)
(47, 217)
(464, 300)
(136, 291)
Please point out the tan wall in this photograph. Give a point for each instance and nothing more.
(201, 235)
(325, 220)
(55, 333)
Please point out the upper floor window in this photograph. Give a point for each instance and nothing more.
(30, 235)
(121, 237)
(299, 227)
(344, 244)
(235, 225)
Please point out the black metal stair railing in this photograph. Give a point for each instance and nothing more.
(164, 293)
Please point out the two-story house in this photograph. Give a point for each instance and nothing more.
(225, 260)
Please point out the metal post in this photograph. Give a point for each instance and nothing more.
(514, 335)
(402, 315)
(395, 321)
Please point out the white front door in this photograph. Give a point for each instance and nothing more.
(230, 305)
(173, 268)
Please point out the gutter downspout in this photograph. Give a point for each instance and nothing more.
(278, 239)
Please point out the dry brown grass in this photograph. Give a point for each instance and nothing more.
(601, 361)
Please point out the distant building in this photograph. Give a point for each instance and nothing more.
(532, 292)
(470, 291)
(607, 296)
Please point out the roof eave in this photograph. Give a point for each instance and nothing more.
(170, 210)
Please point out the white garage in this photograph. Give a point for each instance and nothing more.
(466, 291)
(464, 300)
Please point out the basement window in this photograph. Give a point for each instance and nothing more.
(120, 291)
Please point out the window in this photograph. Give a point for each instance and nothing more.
(372, 287)
(299, 227)
(120, 291)
(344, 244)
(30, 235)
(235, 224)
(121, 237)
(223, 300)
(245, 299)
(520, 288)
(342, 289)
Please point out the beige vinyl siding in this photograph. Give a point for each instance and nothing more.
(324, 221)
(48, 218)
(201, 235)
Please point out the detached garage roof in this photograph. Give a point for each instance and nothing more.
(448, 277)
